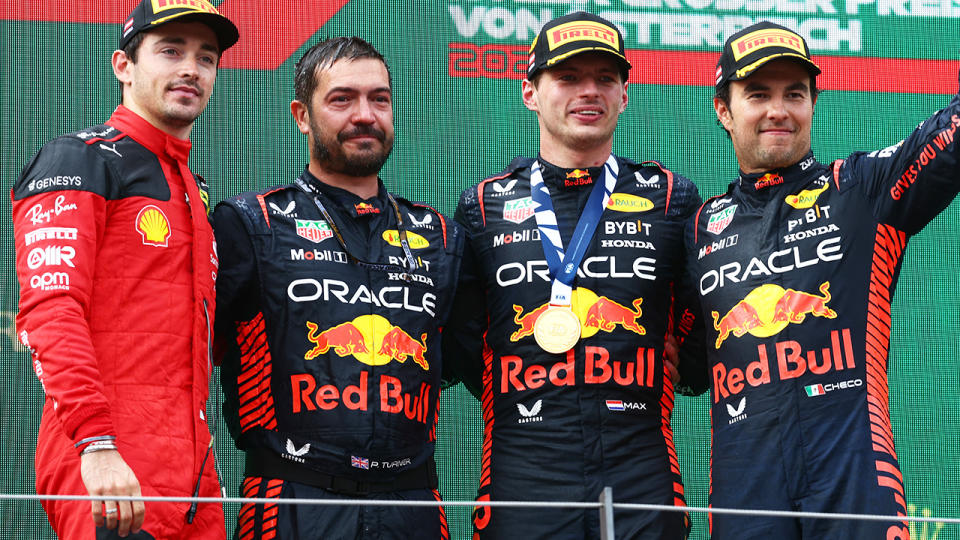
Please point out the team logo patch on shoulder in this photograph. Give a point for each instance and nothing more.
(426, 222)
(287, 210)
(719, 221)
(314, 230)
(652, 182)
(153, 226)
(502, 189)
(392, 237)
(626, 202)
(518, 210)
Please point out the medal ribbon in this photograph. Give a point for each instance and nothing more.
(563, 264)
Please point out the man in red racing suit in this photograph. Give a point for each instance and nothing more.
(796, 266)
(117, 262)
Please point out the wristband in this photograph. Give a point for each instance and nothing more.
(82, 444)
(89, 440)
(99, 446)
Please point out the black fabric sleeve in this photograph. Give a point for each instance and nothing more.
(689, 322)
(236, 293)
(911, 182)
(463, 335)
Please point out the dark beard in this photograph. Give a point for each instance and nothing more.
(366, 164)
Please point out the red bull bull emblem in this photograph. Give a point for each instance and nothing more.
(370, 339)
(768, 309)
(577, 177)
(374, 341)
(365, 208)
(595, 314)
(767, 180)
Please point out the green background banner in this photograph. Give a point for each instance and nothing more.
(456, 68)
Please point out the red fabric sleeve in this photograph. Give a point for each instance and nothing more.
(56, 235)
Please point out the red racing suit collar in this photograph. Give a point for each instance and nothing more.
(153, 138)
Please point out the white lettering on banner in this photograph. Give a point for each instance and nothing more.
(633, 244)
(697, 23)
(595, 267)
(528, 235)
(51, 256)
(625, 227)
(50, 281)
(326, 255)
(400, 261)
(779, 262)
(50, 233)
(38, 215)
(309, 290)
(499, 22)
(38, 184)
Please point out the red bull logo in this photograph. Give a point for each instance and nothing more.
(398, 345)
(606, 314)
(598, 368)
(307, 396)
(370, 339)
(345, 339)
(363, 208)
(768, 309)
(792, 361)
(526, 322)
(577, 177)
(595, 314)
(767, 180)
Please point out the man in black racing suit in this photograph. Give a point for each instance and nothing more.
(561, 426)
(796, 265)
(333, 292)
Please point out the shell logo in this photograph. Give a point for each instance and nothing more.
(416, 241)
(626, 202)
(153, 226)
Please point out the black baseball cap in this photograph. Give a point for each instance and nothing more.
(152, 13)
(572, 34)
(757, 44)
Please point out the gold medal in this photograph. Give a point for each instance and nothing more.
(557, 329)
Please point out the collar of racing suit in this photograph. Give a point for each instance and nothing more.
(757, 183)
(153, 138)
(564, 178)
(354, 205)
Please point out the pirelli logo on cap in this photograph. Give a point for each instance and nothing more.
(772, 37)
(195, 5)
(582, 31)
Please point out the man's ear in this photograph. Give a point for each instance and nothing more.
(528, 92)
(723, 112)
(301, 115)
